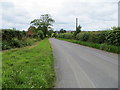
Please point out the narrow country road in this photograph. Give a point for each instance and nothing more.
(78, 66)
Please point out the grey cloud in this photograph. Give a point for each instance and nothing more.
(90, 14)
(6, 5)
(14, 17)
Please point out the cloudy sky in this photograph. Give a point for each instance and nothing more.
(92, 14)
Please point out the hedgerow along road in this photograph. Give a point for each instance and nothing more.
(79, 66)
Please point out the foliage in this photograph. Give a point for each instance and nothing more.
(62, 31)
(78, 30)
(105, 47)
(15, 43)
(54, 35)
(111, 37)
(65, 35)
(43, 23)
(115, 28)
(82, 36)
(32, 28)
(5, 45)
(40, 34)
(50, 32)
(30, 67)
(16, 39)
(9, 34)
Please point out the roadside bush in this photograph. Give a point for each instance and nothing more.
(65, 36)
(115, 28)
(103, 46)
(109, 48)
(113, 37)
(9, 34)
(16, 39)
(60, 35)
(17, 43)
(101, 37)
(40, 34)
(82, 36)
(5, 45)
(110, 37)
(68, 36)
(93, 37)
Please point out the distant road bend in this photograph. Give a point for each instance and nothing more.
(78, 66)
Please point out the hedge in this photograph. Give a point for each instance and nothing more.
(9, 34)
(15, 39)
(111, 37)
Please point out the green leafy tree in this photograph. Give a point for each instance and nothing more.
(40, 34)
(14, 29)
(33, 29)
(50, 32)
(78, 30)
(43, 23)
(115, 28)
(62, 31)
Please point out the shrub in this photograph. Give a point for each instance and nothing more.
(66, 36)
(9, 34)
(15, 43)
(115, 28)
(101, 37)
(82, 36)
(40, 34)
(111, 37)
(93, 37)
(5, 45)
(16, 39)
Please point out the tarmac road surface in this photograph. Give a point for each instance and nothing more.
(79, 66)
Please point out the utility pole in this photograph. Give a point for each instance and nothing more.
(76, 23)
(119, 14)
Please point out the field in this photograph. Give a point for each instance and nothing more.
(29, 67)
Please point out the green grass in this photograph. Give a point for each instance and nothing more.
(15, 43)
(1, 71)
(105, 47)
(30, 67)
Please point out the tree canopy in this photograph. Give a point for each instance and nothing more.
(78, 29)
(62, 31)
(43, 23)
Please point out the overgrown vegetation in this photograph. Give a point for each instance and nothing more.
(43, 24)
(17, 43)
(30, 67)
(40, 29)
(15, 39)
(9, 34)
(78, 30)
(105, 47)
(108, 40)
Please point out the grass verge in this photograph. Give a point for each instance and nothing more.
(105, 47)
(29, 67)
(15, 43)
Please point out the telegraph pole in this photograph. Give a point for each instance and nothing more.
(76, 23)
(119, 14)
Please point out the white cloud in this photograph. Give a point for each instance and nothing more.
(92, 14)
